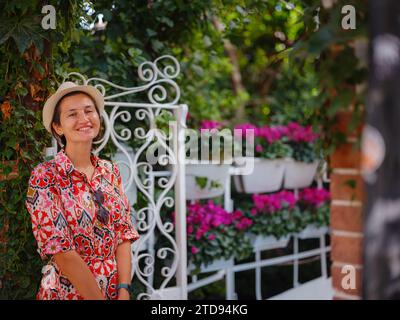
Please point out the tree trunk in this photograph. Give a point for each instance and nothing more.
(381, 152)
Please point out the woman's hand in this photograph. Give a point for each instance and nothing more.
(123, 294)
(76, 270)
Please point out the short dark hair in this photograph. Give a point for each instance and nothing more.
(57, 115)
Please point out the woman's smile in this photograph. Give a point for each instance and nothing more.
(85, 129)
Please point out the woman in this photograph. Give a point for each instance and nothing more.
(80, 213)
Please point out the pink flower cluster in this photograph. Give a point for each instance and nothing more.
(210, 124)
(297, 133)
(241, 222)
(245, 126)
(314, 196)
(269, 133)
(204, 218)
(272, 203)
(294, 132)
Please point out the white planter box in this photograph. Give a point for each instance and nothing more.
(214, 266)
(261, 243)
(213, 172)
(267, 176)
(299, 174)
(312, 232)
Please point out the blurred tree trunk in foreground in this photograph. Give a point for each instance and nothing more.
(381, 155)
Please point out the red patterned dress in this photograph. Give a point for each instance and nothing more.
(60, 200)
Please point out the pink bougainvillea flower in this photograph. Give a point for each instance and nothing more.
(244, 224)
(194, 250)
(314, 196)
(253, 211)
(297, 133)
(212, 237)
(237, 214)
(270, 134)
(259, 148)
(272, 203)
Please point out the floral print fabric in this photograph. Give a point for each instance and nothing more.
(60, 200)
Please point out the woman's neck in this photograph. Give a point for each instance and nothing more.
(79, 154)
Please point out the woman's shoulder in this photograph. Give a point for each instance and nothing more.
(43, 173)
(47, 166)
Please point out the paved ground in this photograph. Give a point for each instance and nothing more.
(317, 289)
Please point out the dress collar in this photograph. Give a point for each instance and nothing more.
(66, 167)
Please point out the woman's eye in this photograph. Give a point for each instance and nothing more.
(71, 115)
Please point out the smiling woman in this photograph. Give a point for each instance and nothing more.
(81, 217)
(76, 109)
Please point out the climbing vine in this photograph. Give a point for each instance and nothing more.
(28, 55)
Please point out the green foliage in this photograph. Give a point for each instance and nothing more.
(317, 217)
(27, 58)
(304, 151)
(278, 224)
(275, 150)
(295, 96)
(228, 243)
(23, 32)
(339, 59)
(139, 31)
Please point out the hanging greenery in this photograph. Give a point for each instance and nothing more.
(339, 57)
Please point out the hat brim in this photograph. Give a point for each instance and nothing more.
(49, 106)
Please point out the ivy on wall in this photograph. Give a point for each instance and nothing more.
(28, 55)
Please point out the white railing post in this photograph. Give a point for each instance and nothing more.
(180, 202)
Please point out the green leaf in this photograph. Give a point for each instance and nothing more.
(240, 10)
(351, 183)
(157, 45)
(150, 32)
(167, 21)
(107, 14)
(201, 182)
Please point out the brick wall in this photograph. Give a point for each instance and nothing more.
(346, 212)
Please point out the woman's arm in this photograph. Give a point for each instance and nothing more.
(79, 274)
(123, 256)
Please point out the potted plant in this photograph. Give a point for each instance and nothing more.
(215, 237)
(301, 168)
(314, 203)
(274, 218)
(206, 178)
(269, 154)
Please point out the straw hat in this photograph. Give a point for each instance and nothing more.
(65, 88)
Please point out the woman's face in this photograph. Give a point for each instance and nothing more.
(79, 120)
